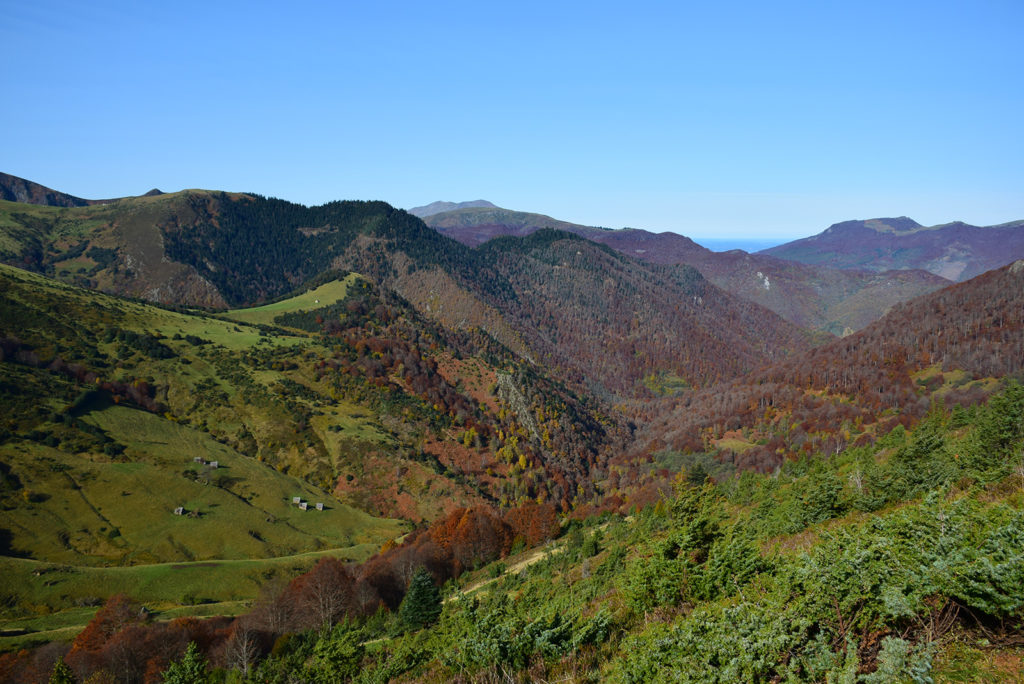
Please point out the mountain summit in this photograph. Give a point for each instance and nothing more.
(903, 224)
(957, 251)
(439, 207)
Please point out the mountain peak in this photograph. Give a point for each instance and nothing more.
(901, 224)
(956, 251)
(15, 189)
(439, 207)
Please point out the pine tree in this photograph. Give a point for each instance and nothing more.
(422, 603)
(62, 674)
(191, 669)
(338, 655)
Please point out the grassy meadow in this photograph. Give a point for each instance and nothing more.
(90, 484)
(324, 295)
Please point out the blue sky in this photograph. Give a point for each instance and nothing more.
(712, 120)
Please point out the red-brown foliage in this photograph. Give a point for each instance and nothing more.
(323, 594)
(120, 640)
(87, 650)
(534, 523)
(977, 327)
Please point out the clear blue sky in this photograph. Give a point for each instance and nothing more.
(708, 119)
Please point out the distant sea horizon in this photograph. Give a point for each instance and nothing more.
(746, 244)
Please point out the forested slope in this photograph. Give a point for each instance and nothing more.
(617, 321)
(949, 344)
(586, 313)
(811, 296)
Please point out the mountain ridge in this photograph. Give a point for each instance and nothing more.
(16, 189)
(216, 249)
(956, 251)
(820, 298)
(441, 206)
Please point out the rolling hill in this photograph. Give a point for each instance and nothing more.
(348, 390)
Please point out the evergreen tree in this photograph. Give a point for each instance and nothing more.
(62, 674)
(337, 655)
(189, 670)
(1000, 430)
(422, 603)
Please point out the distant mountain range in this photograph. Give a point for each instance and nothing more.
(819, 297)
(438, 207)
(957, 251)
(835, 282)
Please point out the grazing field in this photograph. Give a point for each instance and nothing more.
(94, 509)
(324, 295)
(56, 601)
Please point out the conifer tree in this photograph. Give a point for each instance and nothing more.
(62, 674)
(422, 603)
(338, 655)
(191, 669)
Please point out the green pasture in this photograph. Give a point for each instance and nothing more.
(47, 593)
(325, 295)
(92, 509)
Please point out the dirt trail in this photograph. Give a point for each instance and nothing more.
(531, 557)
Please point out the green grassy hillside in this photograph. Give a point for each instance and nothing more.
(115, 410)
(91, 476)
(83, 507)
(354, 397)
(325, 295)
